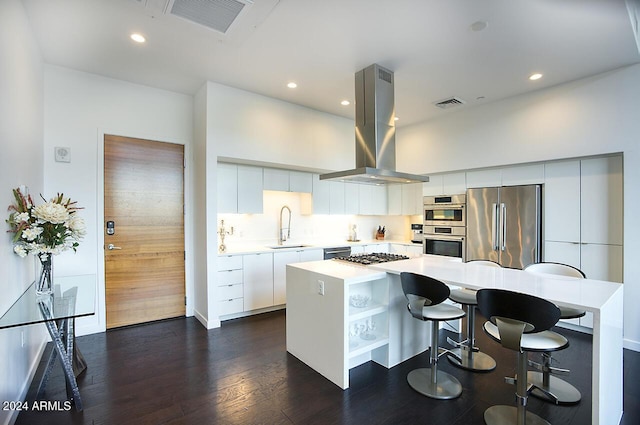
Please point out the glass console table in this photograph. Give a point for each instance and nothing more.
(74, 296)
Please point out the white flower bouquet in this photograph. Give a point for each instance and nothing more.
(49, 228)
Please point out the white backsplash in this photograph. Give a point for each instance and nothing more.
(308, 229)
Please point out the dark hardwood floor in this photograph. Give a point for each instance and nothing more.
(177, 372)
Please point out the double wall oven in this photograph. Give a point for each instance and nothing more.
(444, 227)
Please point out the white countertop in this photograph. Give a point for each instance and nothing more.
(587, 294)
(258, 247)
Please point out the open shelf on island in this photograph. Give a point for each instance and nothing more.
(364, 346)
(356, 313)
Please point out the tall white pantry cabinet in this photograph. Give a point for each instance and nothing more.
(583, 213)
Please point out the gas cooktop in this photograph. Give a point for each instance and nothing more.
(373, 258)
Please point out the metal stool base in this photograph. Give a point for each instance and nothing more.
(507, 415)
(563, 392)
(446, 387)
(475, 361)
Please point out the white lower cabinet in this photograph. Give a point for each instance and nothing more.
(258, 281)
(255, 281)
(230, 293)
(370, 248)
(410, 250)
(280, 261)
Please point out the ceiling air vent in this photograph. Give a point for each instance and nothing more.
(449, 103)
(215, 14)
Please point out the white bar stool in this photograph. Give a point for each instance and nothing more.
(546, 386)
(467, 356)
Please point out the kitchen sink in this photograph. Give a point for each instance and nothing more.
(287, 246)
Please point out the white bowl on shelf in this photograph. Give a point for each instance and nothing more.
(359, 301)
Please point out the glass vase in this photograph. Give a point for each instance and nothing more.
(44, 285)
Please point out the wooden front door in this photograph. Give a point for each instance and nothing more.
(144, 230)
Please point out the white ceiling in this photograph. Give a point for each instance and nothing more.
(320, 44)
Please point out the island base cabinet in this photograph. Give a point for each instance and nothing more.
(333, 333)
(316, 324)
(407, 335)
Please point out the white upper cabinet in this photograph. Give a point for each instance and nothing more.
(523, 174)
(484, 178)
(249, 190)
(300, 182)
(433, 187)
(239, 189)
(394, 199)
(453, 184)
(227, 185)
(412, 199)
(336, 197)
(276, 179)
(352, 199)
(365, 195)
(601, 200)
(404, 199)
(287, 181)
(379, 198)
(321, 195)
(561, 201)
(445, 184)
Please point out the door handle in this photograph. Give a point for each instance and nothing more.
(111, 247)
(504, 226)
(494, 227)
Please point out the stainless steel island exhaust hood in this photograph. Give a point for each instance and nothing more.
(375, 132)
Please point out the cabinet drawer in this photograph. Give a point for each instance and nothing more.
(229, 277)
(230, 291)
(230, 306)
(229, 262)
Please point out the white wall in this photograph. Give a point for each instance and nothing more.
(258, 128)
(79, 108)
(246, 126)
(21, 132)
(596, 115)
(199, 207)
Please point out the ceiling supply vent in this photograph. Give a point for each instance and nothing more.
(449, 103)
(385, 75)
(215, 14)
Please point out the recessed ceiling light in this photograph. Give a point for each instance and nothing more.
(138, 38)
(396, 118)
(479, 25)
(535, 76)
(292, 85)
(345, 103)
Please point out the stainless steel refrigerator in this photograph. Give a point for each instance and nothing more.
(504, 225)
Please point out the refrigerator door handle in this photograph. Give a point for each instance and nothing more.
(494, 227)
(503, 222)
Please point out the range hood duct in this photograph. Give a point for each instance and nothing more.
(375, 132)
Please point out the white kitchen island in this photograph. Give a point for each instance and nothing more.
(319, 326)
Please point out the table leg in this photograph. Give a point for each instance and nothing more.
(66, 360)
(63, 338)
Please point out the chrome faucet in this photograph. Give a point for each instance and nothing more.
(281, 236)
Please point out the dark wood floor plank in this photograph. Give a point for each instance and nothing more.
(177, 372)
